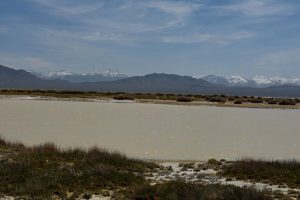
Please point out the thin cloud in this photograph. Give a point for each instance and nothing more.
(22, 62)
(260, 8)
(69, 7)
(80, 37)
(176, 8)
(103, 36)
(130, 16)
(208, 38)
(37, 62)
(66, 42)
(279, 59)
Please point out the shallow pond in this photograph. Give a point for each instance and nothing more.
(155, 131)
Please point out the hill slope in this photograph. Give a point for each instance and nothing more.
(151, 83)
(21, 79)
(166, 83)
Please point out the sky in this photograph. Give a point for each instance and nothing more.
(137, 37)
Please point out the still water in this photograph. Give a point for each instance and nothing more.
(155, 131)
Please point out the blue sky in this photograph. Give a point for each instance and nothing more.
(136, 37)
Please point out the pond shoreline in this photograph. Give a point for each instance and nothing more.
(153, 101)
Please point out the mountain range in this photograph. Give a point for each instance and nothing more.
(257, 81)
(106, 75)
(154, 83)
(21, 79)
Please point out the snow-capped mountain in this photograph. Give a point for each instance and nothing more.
(58, 74)
(237, 80)
(106, 75)
(234, 81)
(275, 80)
(51, 75)
(111, 73)
(217, 80)
(257, 81)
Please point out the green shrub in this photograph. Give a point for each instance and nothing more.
(287, 102)
(255, 100)
(274, 172)
(123, 97)
(42, 171)
(216, 99)
(176, 190)
(184, 99)
(272, 101)
(213, 161)
(238, 102)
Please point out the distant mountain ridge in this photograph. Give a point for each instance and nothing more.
(151, 83)
(257, 81)
(106, 75)
(21, 79)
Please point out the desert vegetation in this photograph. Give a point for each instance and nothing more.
(49, 172)
(123, 97)
(287, 102)
(184, 99)
(238, 101)
(216, 98)
(272, 172)
(45, 171)
(180, 190)
(221, 99)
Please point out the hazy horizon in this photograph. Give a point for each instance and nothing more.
(194, 37)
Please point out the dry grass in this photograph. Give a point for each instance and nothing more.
(273, 172)
(177, 190)
(193, 99)
(5, 143)
(45, 170)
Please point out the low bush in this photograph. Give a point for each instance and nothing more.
(213, 161)
(231, 98)
(238, 102)
(41, 171)
(255, 100)
(217, 99)
(275, 172)
(287, 102)
(184, 99)
(176, 190)
(273, 101)
(123, 97)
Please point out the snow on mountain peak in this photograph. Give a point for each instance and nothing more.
(237, 80)
(261, 80)
(58, 74)
(276, 80)
(63, 73)
(256, 81)
(51, 74)
(106, 75)
(110, 73)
